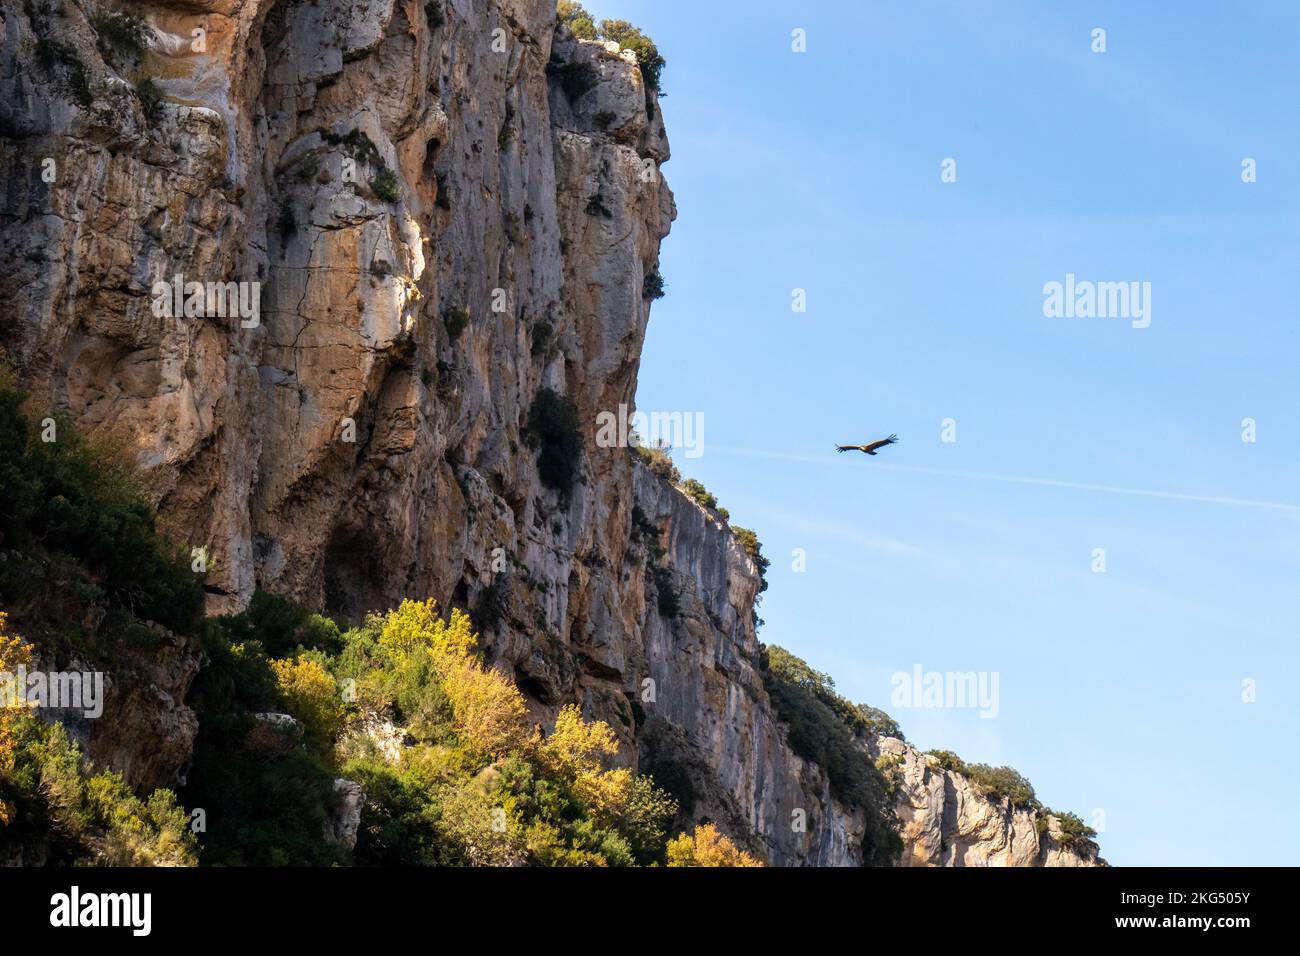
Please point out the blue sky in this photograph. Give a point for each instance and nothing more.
(1120, 691)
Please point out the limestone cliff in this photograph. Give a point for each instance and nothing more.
(445, 207)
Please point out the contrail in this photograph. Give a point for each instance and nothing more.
(1025, 480)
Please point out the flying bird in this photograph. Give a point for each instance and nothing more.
(869, 449)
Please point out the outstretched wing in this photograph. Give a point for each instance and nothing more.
(843, 448)
(870, 449)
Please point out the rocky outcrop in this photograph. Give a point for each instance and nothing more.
(346, 821)
(946, 821)
(438, 209)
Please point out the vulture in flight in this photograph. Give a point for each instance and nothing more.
(869, 449)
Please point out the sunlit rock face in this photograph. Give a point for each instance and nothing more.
(437, 210)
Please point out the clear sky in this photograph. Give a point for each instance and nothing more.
(1119, 691)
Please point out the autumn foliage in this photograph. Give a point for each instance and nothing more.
(707, 847)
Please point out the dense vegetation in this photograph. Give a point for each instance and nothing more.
(73, 511)
(85, 572)
(828, 730)
(473, 782)
(453, 769)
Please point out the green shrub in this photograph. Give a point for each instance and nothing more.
(456, 320)
(266, 805)
(150, 95)
(80, 497)
(949, 760)
(356, 143)
(1074, 833)
(576, 18)
(553, 430)
(996, 782)
(543, 336)
(699, 494)
(666, 598)
(1004, 782)
(79, 816)
(646, 532)
(283, 627)
(580, 22)
(658, 460)
(878, 723)
(653, 286)
(386, 185)
(674, 777)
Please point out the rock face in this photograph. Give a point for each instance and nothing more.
(946, 821)
(343, 826)
(438, 210)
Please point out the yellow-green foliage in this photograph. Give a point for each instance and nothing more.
(53, 796)
(487, 709)
(13, 654)
(310, 694)
(49, 794)
(576, 751)
(480, 785)
(707, 847)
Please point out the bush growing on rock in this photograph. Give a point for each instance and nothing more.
(699, 494)
(65, 65)
(658, 460)
(631, 38)
(666, 598)
(704, 498)
(653, 286)
(553, 431)
(456, 320)
(77, 501)
(386, 185)
(580, 22)
(1074, 833)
